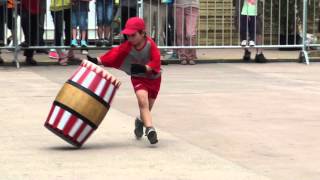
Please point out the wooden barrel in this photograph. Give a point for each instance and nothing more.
(82, 103)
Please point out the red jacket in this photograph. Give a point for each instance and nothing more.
(123, 56)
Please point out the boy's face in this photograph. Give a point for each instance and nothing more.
(136, 38)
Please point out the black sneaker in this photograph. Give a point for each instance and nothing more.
(164, 62)
(107, 42)
(260, 58)
(31, 62)
(99, 43)
(246, 56)
(152, 135)
(138, 130)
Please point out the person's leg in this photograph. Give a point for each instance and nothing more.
(180, 33)
(108, 21)
(191, 31)
(67, 25)
(145, 114)
(2, 24)
(1, 59)
(243, 28)
(147, 17)
(58, 25)
(252, 30)
(170, 26)
(25, 24)
(161, 22)
(74, 25)
(258, 30)
(83, 27)
(31, 31)
(40, 19)
(100, 16)
(11, 25)
(260, 58)
(143, 102)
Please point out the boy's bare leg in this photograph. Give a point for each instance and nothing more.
(144, 107)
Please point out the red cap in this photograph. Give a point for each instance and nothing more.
(133, 25)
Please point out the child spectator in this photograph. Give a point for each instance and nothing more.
(248, 23)
(79, 18)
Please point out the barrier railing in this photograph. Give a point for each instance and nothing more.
(211, 24)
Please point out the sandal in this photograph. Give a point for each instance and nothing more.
(63, 62)
(192, 62)
(184, 62)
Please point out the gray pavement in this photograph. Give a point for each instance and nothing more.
(215, 121)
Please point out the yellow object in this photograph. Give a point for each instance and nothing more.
(82, 103)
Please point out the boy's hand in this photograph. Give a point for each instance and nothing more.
(138, 68)
(93, 60)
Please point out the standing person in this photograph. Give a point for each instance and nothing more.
(259, 57)
(187, 12)
(30, 11)
(61, 15)
(10, 20)
(170, 32)
(79, 18)
(139, 57)
(104, 11)
(155, 16)
(248, 23)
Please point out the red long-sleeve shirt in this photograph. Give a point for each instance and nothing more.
(123, 56)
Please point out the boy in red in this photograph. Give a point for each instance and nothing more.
(139, 57)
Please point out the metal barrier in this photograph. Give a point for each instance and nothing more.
(219, 24)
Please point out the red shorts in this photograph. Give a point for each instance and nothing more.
(152, 86)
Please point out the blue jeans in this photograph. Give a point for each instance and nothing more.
(79, 18)
(104, 10)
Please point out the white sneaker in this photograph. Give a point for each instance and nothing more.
(252, 43)
(244, 43)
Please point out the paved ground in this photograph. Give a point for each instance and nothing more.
(215, 121)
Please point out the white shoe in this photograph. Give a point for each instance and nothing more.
(244, 43)
(252, 43)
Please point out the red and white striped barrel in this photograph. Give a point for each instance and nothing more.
(82, 103)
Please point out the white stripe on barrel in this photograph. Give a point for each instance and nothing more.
(79, 74)
(65, 118)
(84, 133)
(99, 89)
(76, 127)
(86, 83)
(109, 93)
(54, 115)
